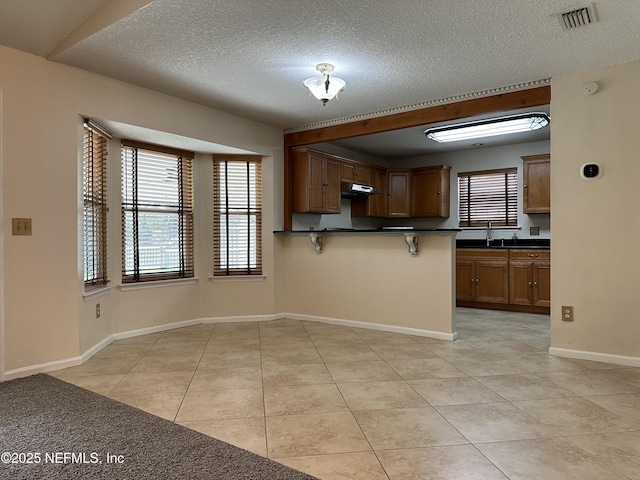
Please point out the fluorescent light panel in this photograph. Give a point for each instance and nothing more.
(488, 128)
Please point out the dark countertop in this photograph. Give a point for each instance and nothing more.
(384, 230)
(524, 243)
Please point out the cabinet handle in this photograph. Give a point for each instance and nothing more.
(535, 283)
(524, 186)
(530, 284)
(477, 280)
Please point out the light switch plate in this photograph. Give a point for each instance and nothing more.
(21, 226)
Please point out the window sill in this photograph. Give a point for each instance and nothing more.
(96, 292)
(126, 287)
(237, 278)
(509, 227)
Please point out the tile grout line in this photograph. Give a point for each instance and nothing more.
(193, 375)
(347, 404)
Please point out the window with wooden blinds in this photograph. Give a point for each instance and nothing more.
(94, 193)
(490, 195)
(157, 213)
(237, 215)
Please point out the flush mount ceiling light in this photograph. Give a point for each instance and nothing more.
(324, 88)
(488, 128)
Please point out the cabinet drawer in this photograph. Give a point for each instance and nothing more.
(530, 255)
(482, 254)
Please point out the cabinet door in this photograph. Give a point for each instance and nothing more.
(375, 204)
(492, 283)
(399, 198)
(521, 283)
(430, 192)
(348, 171)
(537, 184)
(542, 284)
(355, 172)
(465, 280)
(372, 202)
(362, 174)
(332, 177)
(316, 183)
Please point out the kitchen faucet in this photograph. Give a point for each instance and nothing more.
(488, 232)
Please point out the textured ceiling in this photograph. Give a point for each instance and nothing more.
(249, 57)
(39, 27)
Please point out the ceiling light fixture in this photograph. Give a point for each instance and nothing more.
(323, 88)
(488, 128)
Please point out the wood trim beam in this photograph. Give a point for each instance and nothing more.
(439, 113)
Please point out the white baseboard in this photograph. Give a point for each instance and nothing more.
(74, 361)
(155, 329)
(243, 318)
(595, 356)
(373, 326)
(43, 367)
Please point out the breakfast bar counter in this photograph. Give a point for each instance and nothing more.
(366, 278)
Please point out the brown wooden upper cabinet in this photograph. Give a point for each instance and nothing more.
(430, 191)
(537, 183)
(316, 182)
(399, 193)
(355, 172)
(374, 205)
(419, 192)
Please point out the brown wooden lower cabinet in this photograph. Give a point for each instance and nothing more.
(514, 279)
(482, 275)
(530, 278)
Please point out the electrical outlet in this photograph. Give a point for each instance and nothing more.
(567, 314)
(97, 310)
(21, 226)
(533, 231)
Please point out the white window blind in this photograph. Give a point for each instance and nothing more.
(157, 213)
(490, 195)
(94, 192)
(237, 219)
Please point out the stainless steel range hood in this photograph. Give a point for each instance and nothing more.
(357, 190)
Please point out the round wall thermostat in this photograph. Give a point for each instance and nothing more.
(590, 171)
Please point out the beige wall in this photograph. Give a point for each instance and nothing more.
(595, 260)
(595, 224)
(371, 279)
(45, 316)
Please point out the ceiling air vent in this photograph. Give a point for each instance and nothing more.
(578, 17)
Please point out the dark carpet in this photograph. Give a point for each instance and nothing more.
(50, 429)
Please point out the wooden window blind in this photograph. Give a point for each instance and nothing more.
(94, 192)
(237, 221)
(490, 195)
(157, 213)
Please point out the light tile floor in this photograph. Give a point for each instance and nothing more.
(341, 402)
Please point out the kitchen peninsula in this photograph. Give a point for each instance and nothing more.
(398, 280)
